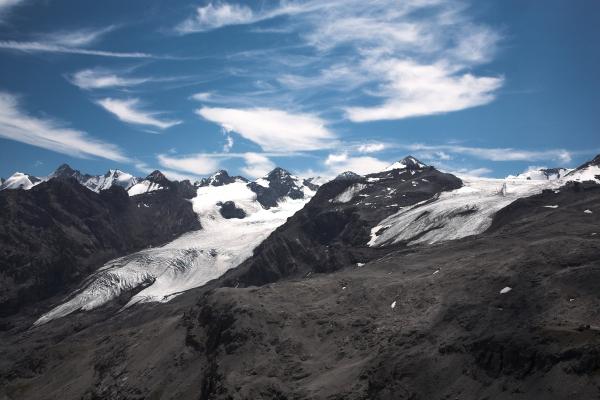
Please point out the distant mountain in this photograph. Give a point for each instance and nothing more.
(220, 178)
(278, 184)
(20, 180)
(589, 171)
(95, 183)
(542, 174)
(154, 181)
(409, 163)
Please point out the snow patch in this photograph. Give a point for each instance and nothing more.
(349, 193)
(142, 187)
(505, 290)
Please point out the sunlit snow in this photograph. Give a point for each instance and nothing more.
(455, 214)
(505, 290)
(190, 260)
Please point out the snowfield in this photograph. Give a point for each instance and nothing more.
(190, 260)
(456, 214)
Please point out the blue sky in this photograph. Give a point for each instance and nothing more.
(315, 86)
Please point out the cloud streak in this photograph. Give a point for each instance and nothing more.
(36, 47)
(128, 111)
(100, 79)
(496, 154)
(17, 125)
(197, 164)
(272, 129)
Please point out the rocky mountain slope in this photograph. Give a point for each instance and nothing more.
(332, 306)
(235, 216)
(56, 233)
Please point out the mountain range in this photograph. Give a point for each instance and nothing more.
(409, 283)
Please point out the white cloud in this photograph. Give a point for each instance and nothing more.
(178, 176)
(228, 142)
(78, 38)
(370, 147)
(257, 165)
(498, 154)
(17, 125)
(412, 58)
(419, 89)
(197, 164)
(99, 79)
(6, 5)
(33, 47)
(338, 163)
(273, 130)
(222, 14)
(203, 96)
(69, 42)
(213, 17)
(128, 111)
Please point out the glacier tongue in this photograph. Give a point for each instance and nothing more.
(190, 260)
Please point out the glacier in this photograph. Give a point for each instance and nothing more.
(189, 261)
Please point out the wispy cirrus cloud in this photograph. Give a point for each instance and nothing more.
(76, 38)
(215, 16)
(495, 154)
(381, 60)
(16, 124)
(414, 90)
(272, 129)
(102, 79)
(197, 164)
(128, 110)
(70, 42)
(34, 47)
(6, 5)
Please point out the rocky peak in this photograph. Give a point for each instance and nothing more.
(281, 184)
(409, 162)
(347, 176)
(158, 177)
(64, 170)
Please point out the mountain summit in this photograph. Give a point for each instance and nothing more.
(409, 163)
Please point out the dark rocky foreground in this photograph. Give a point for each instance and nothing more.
(335, 335)
(54, 235)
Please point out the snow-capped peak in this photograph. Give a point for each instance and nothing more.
(589, 171)
(408, 162)
(347, 175)
(20, 180)
(220, 178)
(541, 174)
(111, 178)
(155, 181)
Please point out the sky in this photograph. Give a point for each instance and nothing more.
(316, 86)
